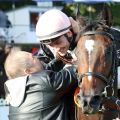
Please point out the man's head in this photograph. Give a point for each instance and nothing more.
(21, 63)
(53, 29)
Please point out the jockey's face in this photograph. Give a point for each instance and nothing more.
(61, 44)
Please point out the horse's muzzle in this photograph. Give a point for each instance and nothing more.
(90, 104)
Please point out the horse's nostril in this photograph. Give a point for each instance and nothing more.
(95, 100)
(85, 103)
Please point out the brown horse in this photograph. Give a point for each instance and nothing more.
(96, 67)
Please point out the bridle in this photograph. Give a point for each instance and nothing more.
(104, 78)
(110, 79)
(94, 74)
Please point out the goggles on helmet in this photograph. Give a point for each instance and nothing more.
(49, 41)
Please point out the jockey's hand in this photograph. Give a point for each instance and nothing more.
(68, 58)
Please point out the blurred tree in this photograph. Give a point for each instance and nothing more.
(116, 14)
(91, 10)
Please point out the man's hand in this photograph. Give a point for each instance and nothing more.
(75, 26)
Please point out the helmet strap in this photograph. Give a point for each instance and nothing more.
(71, 40)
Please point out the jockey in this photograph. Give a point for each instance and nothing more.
(57, 31)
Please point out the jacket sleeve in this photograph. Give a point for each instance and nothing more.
(44, 54)
(55, 65)
(63, 80)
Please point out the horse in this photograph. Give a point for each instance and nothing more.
(96, 94)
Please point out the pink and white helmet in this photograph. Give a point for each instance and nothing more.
(52, 24)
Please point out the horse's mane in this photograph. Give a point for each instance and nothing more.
(86, 25)
(95, 26)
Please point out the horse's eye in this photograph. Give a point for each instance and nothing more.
(78, 96)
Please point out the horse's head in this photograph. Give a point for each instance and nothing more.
(94, 54)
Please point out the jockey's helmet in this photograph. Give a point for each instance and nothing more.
(52, 24)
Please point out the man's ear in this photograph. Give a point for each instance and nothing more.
(27, 71)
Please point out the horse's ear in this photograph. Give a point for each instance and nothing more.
(106, 15)
(82, 21)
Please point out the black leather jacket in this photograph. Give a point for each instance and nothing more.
(44, 96)
(116, 38)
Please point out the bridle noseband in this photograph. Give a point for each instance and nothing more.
(94, 74)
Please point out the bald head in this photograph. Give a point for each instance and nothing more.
(20, 63)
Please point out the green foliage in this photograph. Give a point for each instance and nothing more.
(92, 10)
(116, 13)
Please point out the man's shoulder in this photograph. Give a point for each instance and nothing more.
(39, 78)
(41, 73)
(44, 74)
